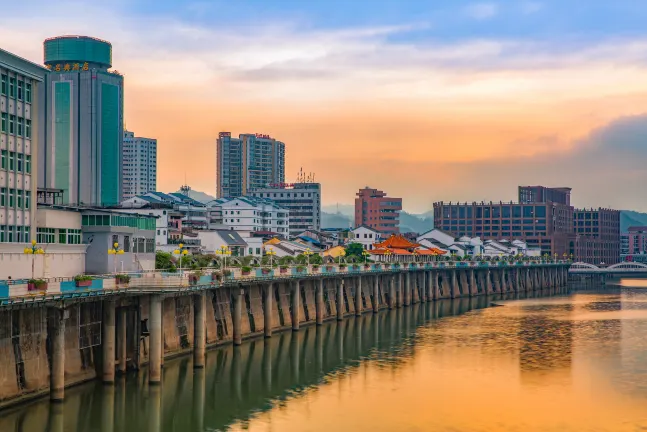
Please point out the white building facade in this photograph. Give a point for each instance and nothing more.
(248, 214)
(139, 165)
(365, 236)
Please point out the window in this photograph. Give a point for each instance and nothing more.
(3, 85)
(28, 164)
(73, 236)
(45, 235)
(3, 159)
(28, 92)
(126, 244)
(3, 197)
(19, 198)
(62, 236)
(12, 194)
(21, 86)
(12, 87)
(3, 123)
(150, 245)
(21, 126)
(12, 161)
(27, 128)
(12, 124)
(19, 162)
(27, 200)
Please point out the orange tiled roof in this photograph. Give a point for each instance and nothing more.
(430, 251)
(396, 241)
(393, 251)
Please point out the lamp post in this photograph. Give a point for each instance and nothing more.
(181, 252)
(224, 251)
(342, 254)
(388, 254)
(366, 254)
(114, 250)
(271, 254)
(33, 250)
(307, 253)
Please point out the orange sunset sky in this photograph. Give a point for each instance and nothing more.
(451, 101)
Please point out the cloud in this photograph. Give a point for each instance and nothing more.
(482, 11)
(531, 7)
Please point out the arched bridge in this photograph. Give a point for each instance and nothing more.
(619, 268)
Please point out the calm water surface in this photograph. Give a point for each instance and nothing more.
(575, 362)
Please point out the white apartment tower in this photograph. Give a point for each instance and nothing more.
(139, 165)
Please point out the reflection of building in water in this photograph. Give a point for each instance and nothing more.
(631, 375)
(545, 345)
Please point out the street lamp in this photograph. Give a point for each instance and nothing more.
(114, 250)
(388, 254)
(224, 251)
(307, 253)
(271, 253)
(342, 254)
(33, 250)
(366, 254)
(181, 252)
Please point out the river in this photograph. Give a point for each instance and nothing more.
(568, 362)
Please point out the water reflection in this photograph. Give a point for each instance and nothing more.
(530, 364)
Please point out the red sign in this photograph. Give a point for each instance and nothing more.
(282, 185)
(263, 136)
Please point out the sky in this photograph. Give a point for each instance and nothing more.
(427, 100)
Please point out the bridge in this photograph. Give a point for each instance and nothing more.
(619, 269)
(67, 331)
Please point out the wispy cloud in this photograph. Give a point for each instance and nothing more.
(482, 11)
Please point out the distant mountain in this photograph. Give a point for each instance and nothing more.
(199, 196)
(335, 220)
(631, 218)
(408, 222)
(343, 209)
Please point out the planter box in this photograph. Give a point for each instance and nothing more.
(265, 271)
(245, 273)
(315, 269)
(193, 280)
(85, 283)
(329, 268)
(283, 270)
(33, 287)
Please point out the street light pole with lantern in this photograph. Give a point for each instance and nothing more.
(270, 252)
(224, 251)
(33, 250)
(307, 253)
(115, 251)
(181, 252)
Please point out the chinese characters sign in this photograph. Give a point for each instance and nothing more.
(69, 67)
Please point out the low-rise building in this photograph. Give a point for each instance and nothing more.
(365, 236)
(248, 214)
(215, 240)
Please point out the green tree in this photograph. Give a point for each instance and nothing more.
(354, 249)
(163, 260)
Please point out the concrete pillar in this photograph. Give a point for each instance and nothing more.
(199, 329)
(57, 336)
(296, 297)
(406, 298)
(358, 296)
(238, 312)
(473, 289)
(517, 281)
(462, 277)
(376, 294)
(319, 300)
(436, 285)
(155, 340)
(400, 283)
(340, 300)
(391, 286)
(488, 282)
(122, 339)
(108, 341)
(455, 291)
(267, 310)
(423, 287)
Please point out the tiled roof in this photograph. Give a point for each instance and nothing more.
(396, 241)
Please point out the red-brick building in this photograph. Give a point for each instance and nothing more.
(377, 211)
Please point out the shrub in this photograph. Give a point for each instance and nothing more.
(315, 267)
(122, 278)
(38, 283)
(284, 267)
(82, 278)
(246, 269)
(226, 273)
(301, 268)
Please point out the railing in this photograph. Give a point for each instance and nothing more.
(156, 280)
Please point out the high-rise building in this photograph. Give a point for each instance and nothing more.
(249, 162)
(303, 200)
(597, 235)
(377, 211)
(139, 161)
(22, 123)
(549, 223)
(85, 122)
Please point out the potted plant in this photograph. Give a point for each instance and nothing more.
(355, 267)
(266, 270)
(122, 279)
(342, 266)
(216, 276)
(367, 266)
(283, 269)
(36, 285)
(301, 269)
(315, 268)
(226, 273)
(245, 270)
(328, 267)
(396, 265)
(83, 280)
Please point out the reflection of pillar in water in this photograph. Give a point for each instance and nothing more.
(236, 372)
(319, 348)
(358, 329)
(267, 365)
(56, 418)
(120, 404)
(108, 409)
(198, 399)
(340, 341)
(154, 408)
(376, 332)
(295, 343)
